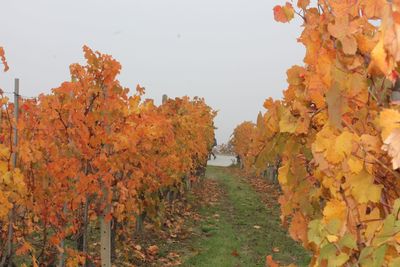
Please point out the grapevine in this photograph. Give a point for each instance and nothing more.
(335, 134)
(90, 153)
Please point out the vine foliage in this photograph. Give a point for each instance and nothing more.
(90, 151)
(336, 133)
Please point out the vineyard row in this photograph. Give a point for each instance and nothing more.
(91, 157)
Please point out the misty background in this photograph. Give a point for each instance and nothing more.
(231, 52)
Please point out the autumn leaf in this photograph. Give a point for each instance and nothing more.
(153, 250)
(344, 144)
(295, 75)
(270, 262)
(332, 238)
(235, 253)
(337, 185)
(389, 119)
(392, 146)
(387, 51)
(24, 249)
(284, 13)
(343, 29)
(343, 7)
(355, 164)
(373, 9)
(140, 90)
(391, 30)
(334, 102)
(380, 60)
(303, 3)
(287, 124)
(298, 227)
(3, 59)
(335, 209)
(363, 188)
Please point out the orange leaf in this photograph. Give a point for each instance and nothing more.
(3, 59)
(373, 9)
(24, 249)
(271, 262)
(284, 13)
(303, 3)
(153, 250)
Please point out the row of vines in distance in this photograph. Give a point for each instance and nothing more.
(90, 154)
(335, 134)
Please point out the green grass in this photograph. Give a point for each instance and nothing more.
(231, 239)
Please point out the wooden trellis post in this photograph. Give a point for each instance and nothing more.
(105, 224)
(164, 99)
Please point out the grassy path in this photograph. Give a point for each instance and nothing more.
(240, 230)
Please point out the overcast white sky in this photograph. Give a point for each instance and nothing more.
(231, 52)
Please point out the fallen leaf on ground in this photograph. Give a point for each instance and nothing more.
(153, 250)
(235, 253)
(270, 262)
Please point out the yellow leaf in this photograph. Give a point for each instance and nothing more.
(370, 142)
(283, 173)
(344, 144)
(288, 122)
(373, 222)
(294, 75)
(362, 187)
(335, 148)
(4, 152)
(3, 167)
(380, 61)
(335, 209)
(355, 164)
(389, 119)
(332, 238)
(324, 139)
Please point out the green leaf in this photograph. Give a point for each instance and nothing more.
(333, 226)
(336, 261)
(348, 241)
(379, 256)
(314, 232)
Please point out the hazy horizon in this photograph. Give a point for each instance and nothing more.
(232, 53)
